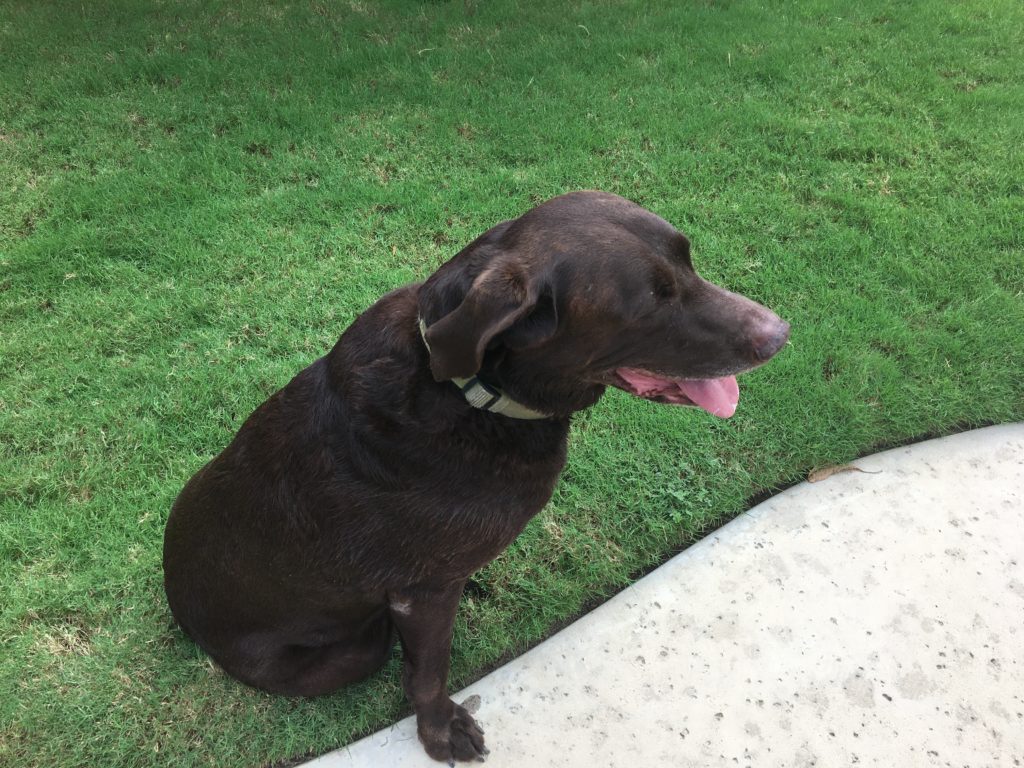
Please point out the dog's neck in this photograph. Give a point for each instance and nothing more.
(486, 397)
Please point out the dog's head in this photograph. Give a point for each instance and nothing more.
(588, 290)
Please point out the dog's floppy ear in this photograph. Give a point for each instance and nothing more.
(499, 297)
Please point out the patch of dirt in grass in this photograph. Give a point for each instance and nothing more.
(71, 637)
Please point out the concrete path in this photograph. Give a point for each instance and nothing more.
(868, 619)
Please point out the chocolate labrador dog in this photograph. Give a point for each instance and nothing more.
(352, 506)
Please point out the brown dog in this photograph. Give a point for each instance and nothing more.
(353, 505)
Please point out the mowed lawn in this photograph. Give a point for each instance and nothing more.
(196, 198)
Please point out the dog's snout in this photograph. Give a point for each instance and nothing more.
(768, 338)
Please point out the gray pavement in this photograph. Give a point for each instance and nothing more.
(868, 619)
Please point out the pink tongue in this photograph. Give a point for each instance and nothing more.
(719, 397)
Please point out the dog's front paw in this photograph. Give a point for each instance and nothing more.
(449, 733)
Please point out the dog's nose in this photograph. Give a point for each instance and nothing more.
(769, 338)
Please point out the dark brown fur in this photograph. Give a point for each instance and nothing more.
(352, 506)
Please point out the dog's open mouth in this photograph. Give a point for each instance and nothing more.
(719, 397)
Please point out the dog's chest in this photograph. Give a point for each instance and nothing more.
(501, 487)
(467, 513)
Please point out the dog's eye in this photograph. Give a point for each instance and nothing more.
(664, 286)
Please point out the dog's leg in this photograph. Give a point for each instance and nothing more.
(425, 619)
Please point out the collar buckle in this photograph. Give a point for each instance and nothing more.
(486, 397)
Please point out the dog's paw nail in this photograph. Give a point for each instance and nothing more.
(485, 751)
(481, 759)
(451, 762)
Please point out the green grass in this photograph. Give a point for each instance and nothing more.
(197, 198)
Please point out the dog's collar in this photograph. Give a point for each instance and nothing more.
(486, 397)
